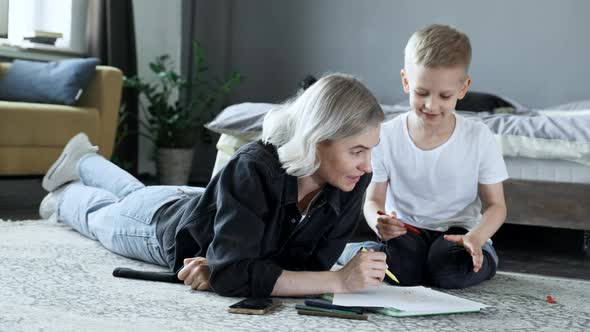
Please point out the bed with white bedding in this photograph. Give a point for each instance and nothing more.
(547, 170)
(547, 153)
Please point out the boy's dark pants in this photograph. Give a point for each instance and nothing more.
(428, 259)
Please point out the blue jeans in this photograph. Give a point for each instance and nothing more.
(113, 207)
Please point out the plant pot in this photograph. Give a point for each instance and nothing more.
(174, 166)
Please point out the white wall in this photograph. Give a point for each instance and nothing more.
(157, 29)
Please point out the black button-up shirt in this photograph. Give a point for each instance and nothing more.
(247, 224)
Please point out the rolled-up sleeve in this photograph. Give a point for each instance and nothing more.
(242, 211)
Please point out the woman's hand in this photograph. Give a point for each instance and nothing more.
(195, 273)
(364, 269)
(472, 246)
(389, 227)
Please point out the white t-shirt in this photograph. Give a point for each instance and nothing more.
(437, 189)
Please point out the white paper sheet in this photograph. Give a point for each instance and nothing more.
(407, 299)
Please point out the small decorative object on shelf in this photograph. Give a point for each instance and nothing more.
(43, 37)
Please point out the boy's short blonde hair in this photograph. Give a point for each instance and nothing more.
(438, 45)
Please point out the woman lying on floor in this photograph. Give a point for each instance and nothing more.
(272, 222)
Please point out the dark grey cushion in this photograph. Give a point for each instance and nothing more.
(58, 82)
(481, 102)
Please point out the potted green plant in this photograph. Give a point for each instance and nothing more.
(174, 124)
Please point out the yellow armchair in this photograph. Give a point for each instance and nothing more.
(33, 135)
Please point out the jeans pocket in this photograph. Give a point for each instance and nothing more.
(142, 204)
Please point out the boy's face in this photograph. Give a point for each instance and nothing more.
(434, 91)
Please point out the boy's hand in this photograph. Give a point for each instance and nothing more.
(389, 227)
(195, 273)
(363, 270)
(472, 247)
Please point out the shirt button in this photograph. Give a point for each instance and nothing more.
(293, 220)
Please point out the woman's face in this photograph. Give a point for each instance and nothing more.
(344, 161)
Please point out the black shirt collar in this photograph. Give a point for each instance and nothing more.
(329, 194)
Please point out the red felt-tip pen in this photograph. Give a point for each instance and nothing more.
(408, 227)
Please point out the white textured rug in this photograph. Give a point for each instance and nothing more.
(53, 279)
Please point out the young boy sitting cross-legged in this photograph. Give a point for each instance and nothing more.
(427, 170)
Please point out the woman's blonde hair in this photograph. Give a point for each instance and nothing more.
(335, 107)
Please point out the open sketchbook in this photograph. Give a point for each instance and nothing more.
(407, 301)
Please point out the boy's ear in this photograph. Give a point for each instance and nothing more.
(405, 83)
(465, 87)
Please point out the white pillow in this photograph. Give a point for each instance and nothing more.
(241, 120)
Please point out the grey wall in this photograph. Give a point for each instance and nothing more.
(3, 17)
(534, 51)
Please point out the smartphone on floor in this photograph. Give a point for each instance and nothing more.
(254, 306)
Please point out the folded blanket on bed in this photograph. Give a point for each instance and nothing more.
(542, 134)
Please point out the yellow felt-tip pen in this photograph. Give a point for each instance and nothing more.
(389, 274)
